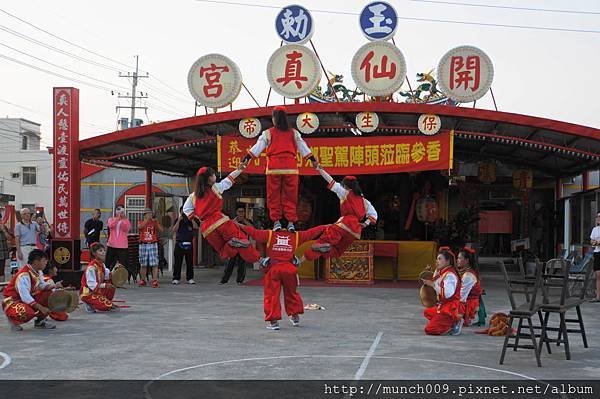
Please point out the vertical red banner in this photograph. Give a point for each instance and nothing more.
(66, 163)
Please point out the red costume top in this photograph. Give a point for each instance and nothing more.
(94, 277)
(24, 285)
(281, 147)
(441, 279)
(475, 290)
(282, 244)
(353, 209)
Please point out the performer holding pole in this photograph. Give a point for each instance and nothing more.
(205, 203)
(97, 290)
(282, 143)
(356, 212)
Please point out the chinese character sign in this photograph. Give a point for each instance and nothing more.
(307, 123)
(250, 127)
(465, 73)
(378, 68)
(523, 179)
(367, 122)
(429, 124)
(214, 81)
(293, 71)
(486, 172)
(352, 155)
(378, 21)
(294, 25)
(66, 163)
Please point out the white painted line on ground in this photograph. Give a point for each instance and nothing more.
(6, 361)
(363, 367)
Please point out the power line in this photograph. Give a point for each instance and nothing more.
(543, 28)
(453, 3)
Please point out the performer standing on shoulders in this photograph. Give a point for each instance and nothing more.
(470, 292)
(281, 272)
(446, 283)
(282, 143)
(26, 295)
(96, 290)
(356, 212)
(206, 203)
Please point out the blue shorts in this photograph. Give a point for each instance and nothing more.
(148, 254)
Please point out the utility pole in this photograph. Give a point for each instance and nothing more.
(135, 75)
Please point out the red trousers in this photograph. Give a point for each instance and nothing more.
(280, 275)
(282, 196)
(101, 299)
(441, 319)
(19, 312)
(219, 238)
(59, 316)
(339, 239)
(469, 310)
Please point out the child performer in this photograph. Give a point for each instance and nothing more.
(470, 292)
(49, 273)
(96, 290)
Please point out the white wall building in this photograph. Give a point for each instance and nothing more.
(25, 168)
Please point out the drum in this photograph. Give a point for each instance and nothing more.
(74, 301)
(59, 300)
(118, 276)
(427, 294)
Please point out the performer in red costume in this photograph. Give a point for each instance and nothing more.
(282, 143)
(205, 203)
(97, 290)
(356, 212)
(26, 295)
(49, 274)
(470, 292)
(446, 283)
(281, 271)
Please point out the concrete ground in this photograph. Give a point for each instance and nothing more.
(209, 331)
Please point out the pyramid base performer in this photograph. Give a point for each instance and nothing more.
(206, 203)
(97, 291)
(356, 212)
(446, 283)
(282, 143)
(281, 272)
(26, 295)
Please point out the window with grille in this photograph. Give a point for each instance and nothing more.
(24, 143)
(29, 175)
(134, 208)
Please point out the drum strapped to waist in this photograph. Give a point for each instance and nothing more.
(119, 275)
(427, 294)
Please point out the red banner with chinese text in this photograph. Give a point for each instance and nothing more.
(66, 163)
(352, 155)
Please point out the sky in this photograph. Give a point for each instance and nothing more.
(550, 72)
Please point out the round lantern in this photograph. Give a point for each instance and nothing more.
(427, 210)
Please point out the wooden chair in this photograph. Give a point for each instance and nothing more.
(523, 312)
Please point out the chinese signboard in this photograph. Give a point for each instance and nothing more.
(352, 155)
(293, 71)
(523, 179)
(214, 81)
(307, 123)
(378, 68)
(294, 25)
(465, 73)
(250, 127)
(429, 124)
(66, 163)
(378, 21)
(486, 172)
(367, 122)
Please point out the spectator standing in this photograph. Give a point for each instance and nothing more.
(5, 237)
(149, 230)
(93, 227)
(240, 218)
(118, 228)
(44, 234)
(595, 240)
(26, 234)
(183, 231)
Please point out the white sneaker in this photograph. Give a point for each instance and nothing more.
(191, 281)
(456, 329)
(175, 282)
(15, 328)
(88, 308)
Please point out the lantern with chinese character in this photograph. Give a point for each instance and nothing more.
(465, 73)
(214, 81)
(250, 127)
(486, 172)
(523, 179)
(378, 68)
(429, 124)
(367, 122)
(427, 210)
(307, 122)
(293, 71)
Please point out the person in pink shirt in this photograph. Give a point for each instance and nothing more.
(118, 228)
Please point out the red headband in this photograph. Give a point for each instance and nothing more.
(447, 249)
(201, 171)
(94, 245)
(469, 250)
(279, 108)
(350, 178)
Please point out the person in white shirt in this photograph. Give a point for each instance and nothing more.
(595, 241)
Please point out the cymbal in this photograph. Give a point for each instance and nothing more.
(119, 276)
(59, 300)
(74, 303)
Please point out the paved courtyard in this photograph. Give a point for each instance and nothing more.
(209, 331)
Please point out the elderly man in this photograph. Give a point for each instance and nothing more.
(26, 295)
(26, 232)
